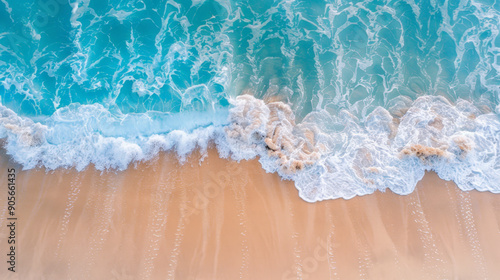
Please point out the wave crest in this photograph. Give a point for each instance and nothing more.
(327, 155)
(269, 130)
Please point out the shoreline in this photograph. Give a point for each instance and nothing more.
(224, 220)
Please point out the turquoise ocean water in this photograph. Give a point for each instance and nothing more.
(343, 97)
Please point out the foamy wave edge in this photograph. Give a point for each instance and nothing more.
(327, 155)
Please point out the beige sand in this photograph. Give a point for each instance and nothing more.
(228, 220)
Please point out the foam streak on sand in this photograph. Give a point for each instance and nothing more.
(229, 220)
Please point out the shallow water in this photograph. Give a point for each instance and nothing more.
(348, 96)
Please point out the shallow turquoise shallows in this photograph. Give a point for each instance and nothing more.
(110, 83)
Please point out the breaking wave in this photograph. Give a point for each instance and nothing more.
(328, 156)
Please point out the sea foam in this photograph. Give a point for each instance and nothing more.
(331, 156)
(89, 134)
(328, 156)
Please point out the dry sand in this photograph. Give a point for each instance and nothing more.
(228, 220)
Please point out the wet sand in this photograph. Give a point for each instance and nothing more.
(226, 220)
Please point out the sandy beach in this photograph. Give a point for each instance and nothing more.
(220, 219)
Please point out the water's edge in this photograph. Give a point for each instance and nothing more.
(327, 156)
